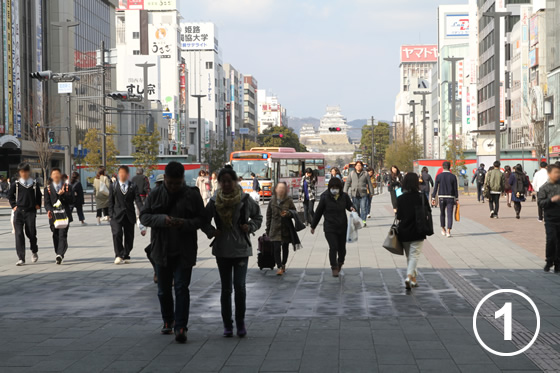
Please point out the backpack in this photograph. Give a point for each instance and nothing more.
(519, 186)
(480, 176)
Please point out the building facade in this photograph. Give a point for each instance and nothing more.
(235, 98)
(270, 112)
(553, 78)
(250, 114)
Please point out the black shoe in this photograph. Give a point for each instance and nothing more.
(547, 267)
(58, 259)
(180, 336)
(517, 216)
(167, 328)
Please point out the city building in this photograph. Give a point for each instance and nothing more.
(309, 136)
(270, 112)
(250, 115)
(333, 119)
(553, 78)
(235, 97)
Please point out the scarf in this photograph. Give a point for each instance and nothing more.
(225, 206)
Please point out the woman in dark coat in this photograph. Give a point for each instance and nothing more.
(519, 184)
(278, 217)
(507, 191)
(79, 201)
(333, 205)
(395, 180)
(408, 234)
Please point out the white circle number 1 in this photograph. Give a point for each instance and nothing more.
(506, 312)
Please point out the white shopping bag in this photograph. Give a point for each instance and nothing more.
(351, 232)
(255, 196)
(356, 220)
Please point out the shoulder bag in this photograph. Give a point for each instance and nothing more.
(392, 243)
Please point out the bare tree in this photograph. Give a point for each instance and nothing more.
(42, 147)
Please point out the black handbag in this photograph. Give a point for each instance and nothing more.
(424, 221)
(392, 243)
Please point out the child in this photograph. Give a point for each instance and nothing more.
(549, 201)
(25, 200)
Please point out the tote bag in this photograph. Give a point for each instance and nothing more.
(424, 221)
(392, 243)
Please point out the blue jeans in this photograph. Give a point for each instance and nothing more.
(233, 273)
(360, 204)
(174, 271)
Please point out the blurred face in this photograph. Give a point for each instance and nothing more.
(173, 184)
(123, 175)
(24, 174)
(554, 175)
(333, 172)
(370, 173)
(308, 174)
(281, 190)
(228, 184)
(359, 167)
(214, 176)
(56, 177)
(394, 170)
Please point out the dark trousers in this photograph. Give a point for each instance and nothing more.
(446, 206)
(494, 203)
(80, 212)
(337, 248)
(281, 252)
(25, 222)
(148, 251)
(104, 210)
(233, 274)
(517, 207)
(479, 194)
(552, 230)
(60, 240)
(308, 211)
(119, 229)
(541, 213)
(177, 276)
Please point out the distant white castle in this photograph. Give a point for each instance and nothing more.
(324, 136)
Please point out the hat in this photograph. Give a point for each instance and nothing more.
(159, 178)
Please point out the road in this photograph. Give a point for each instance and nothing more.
(89, 315)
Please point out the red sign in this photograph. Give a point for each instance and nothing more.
(85, 60)
(131, 5)
(419, 53)
(555, 149)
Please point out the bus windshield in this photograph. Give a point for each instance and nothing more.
(245, 167)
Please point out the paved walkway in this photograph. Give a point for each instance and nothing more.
(89, 315)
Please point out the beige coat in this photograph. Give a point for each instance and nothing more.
(100, 200)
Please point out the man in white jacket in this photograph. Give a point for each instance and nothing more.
(539, 179)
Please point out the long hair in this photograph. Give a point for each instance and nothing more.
(410, 182)
(100, 171)
(397, 174)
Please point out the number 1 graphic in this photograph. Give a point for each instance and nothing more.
(506, 312)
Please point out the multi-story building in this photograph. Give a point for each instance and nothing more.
(553, 68)
(270, 112)
(201, 51)
(235, 97)
(250, 105)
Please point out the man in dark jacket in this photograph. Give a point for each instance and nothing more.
(142, 183)
(479, 176)
(59, 196)
(426, 182)
(549, 201)
(25, 196)
(174, 212)
(446, 186)
(122, 196)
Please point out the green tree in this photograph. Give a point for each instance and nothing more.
(146, 146)
(403, 154)
(458, 163)
(289, 140)
(215, 157)
(93, 143)
(238, 144)
(381, 139)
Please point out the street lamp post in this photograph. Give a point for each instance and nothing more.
(424, 94)
(224, 119)
(454, 61)
(413, 104)
(497, 17)
(199, 99)
(403, 120)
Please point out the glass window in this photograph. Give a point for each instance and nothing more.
(136, 35)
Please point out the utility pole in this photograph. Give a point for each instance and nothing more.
(145, 66)
(104, 125)
(68, 152)
(424, 94)
(393, 134)
(224, 119)
(497, 76)
(372, 142)
(454, 61)
(413, 104)
(403, 121)
(199, 99)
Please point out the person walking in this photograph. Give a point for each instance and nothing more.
(549, 201)
(333, 205)
(236, 216)
(307, 195)
(278, 215)
(256, 185)
(494, 186)
(148, 249)
(410, 235)
(214, 184)
(358, 187)
(393, 185)
(101, 186)
(79, 200)
(175, 212)
(380, 183)
(24, 197)
(371, 193)
(335, 172)
(425, 182)
(519, 184)
(59, 196)
(446, 189)
(539, 179)
(202, 185)
(122, 211)
(479, 176)
(142, 183)
(507, 187)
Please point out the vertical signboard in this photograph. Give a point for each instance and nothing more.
(9, 82)
(16, 69)
(232, 98)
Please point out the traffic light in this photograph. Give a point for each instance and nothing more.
(51, 137)
(278, 135)
(41, 75)
(335, 129)
(124, 96)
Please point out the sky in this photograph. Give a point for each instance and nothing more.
(314, 53)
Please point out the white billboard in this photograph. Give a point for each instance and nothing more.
(198, 36)
(457, 25)
(131, 78)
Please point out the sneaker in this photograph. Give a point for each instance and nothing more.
(58, 259)
(280, 271)
(127, 260)
(167, 328)
(407, 284)
(448, 234)
(443, 232)
(364, 223)
(34, 257)
(119, 260)
(228, 331)
(180, 336)
(547, 267)
(539, 220)
(369, 216)
(492, 214)
(20, 263)
(241, 330)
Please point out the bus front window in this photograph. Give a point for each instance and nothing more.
(245, 167)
